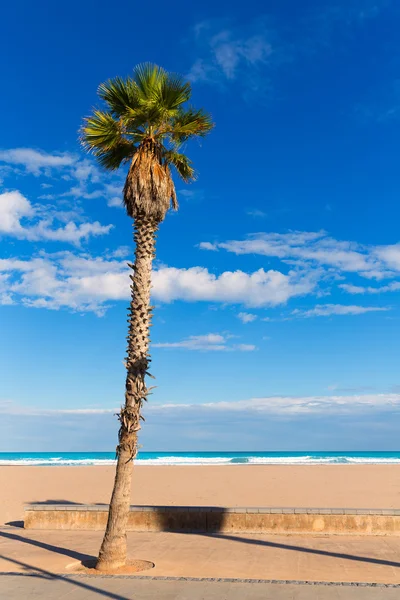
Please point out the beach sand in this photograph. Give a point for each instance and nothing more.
(316, 486)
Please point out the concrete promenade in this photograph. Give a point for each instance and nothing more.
(40, 564)
(45, 586)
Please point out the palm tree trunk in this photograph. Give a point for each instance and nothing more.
(113, 551)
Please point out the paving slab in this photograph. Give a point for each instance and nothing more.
(367, 559)
(26, 587)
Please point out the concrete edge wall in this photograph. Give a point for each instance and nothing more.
(224, 520)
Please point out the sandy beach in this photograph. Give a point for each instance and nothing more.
(330, 486)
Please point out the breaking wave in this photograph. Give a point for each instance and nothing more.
(201, 458)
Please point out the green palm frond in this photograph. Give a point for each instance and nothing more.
(136, 121)
(189, 123)
(103, 135)
(146, 118)
(113, 158)
(119, 94)
(182, 164)
(149, 78)
(101, 131)
(172, 93)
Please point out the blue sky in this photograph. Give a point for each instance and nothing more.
(277, 283)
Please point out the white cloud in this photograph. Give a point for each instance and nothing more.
(255, 212)
(390, 255)
(35, 161)
(394, 286)
(87, 181)
(115, 201)
(71, 232)
(208, 246)
(7, 407)
(326, 310)
(247, 317)
(229, 51)
(85, 170)
(261, 288)
(210, 341)
(14, 208)
(318, 248)
(81, 191)
(285, 406)
(245, 347)
(81, 282)
(293, 405)
(227, 54)
(201, 71)
(6, 300)
(121, 252)
(89, 175)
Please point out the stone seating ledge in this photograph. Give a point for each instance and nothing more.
(216, 509)
(213, 519)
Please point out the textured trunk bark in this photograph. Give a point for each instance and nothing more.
(113, 551)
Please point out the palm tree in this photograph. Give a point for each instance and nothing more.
(146, 122)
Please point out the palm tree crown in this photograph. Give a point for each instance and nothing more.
(147, 121)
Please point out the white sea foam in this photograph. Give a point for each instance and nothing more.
(378, 461)
(58, 462)
(183, 460)
(290, 460)
(204, 460)
(317, 460)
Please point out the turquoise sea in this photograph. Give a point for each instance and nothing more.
(200, 458)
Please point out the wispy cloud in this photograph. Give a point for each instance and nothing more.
(254, 52)
(208, 342)
(330, 422)
(209, 246)
(120, 252)
(85, 180)
(394, 286)
(318, 248)
(226, 53)
(113, 193)
(356, 389)
(16, 210)
(230, 52)
(36, 161)
(289, 406)
(194, 194)
(327, 310)
(255, 212)
(247, 317)
(294, 405)
(8, 407)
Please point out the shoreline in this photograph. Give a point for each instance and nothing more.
(208, 465)
(209, 458)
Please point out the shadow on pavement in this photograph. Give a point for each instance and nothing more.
(68, 502)
(57, 549)
(280, 546)
(37, 572)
